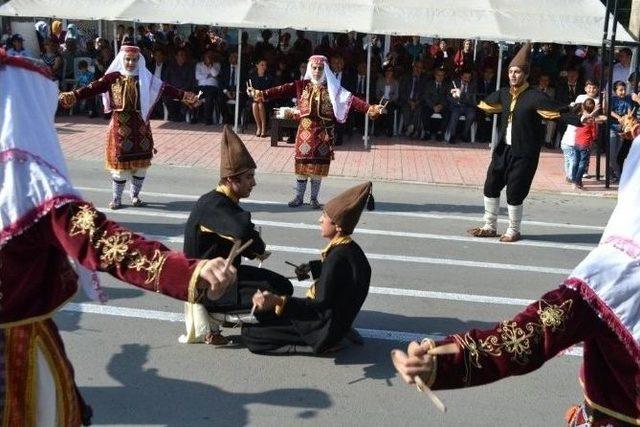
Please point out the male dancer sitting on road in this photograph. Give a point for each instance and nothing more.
(215, 223)
(316, 324)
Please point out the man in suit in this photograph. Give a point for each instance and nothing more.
(544, 86)
(360, 90)
(462, 102)
(567, 90)
(230, 71)
(180, 74)
(435, 101)
(345, 79)
(158, 67)
(486, 85)
(410, 98)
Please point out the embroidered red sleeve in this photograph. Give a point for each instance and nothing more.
(287, 90)
(172, 92)
(98, 243)
(560, 319)
(359, 104)
(97, 87)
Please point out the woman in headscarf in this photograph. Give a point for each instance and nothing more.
(321, 101)
(130, 91)
(42, 32)
(57, 34)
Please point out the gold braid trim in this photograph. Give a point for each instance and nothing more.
(490, 108)
(194, 294)
(548, 114)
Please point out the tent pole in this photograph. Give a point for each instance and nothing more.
(365, 137)
(100, 28)
(607, 137)
(475, 49)
(494, 130)
(238, 68)
(115, 37)
(603, 141)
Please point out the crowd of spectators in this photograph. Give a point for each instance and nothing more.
(417, 79)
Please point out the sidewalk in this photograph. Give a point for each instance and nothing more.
(394, 159)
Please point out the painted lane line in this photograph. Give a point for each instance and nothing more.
(448, 296)
(137, 313)
(374, 232)
(402, 258)
(376, 212)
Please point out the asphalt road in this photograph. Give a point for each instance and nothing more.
(429, 279)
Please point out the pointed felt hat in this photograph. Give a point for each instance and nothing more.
(234, 156)
(345, 209)
(521, 60)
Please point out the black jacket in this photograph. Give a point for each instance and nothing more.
(226, 221)
(342, 285)
(526, 131)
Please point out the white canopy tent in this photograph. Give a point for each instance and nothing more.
(578, 22)
(556, 21)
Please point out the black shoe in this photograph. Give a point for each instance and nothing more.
(439, 137)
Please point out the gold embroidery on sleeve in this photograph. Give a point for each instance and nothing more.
(152, 266)
(83, 222)
(553, 316)
(512, 338)
(114, 247)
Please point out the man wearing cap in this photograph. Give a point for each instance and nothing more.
(597, 305)
(130, 91)
(515, 157)
(321, 102)
(216, 221)
(318, 323)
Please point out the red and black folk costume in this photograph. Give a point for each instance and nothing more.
(598, 305)
(130, 96)
(50, 239)
(319, 105)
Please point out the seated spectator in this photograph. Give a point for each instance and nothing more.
(260, 79)
(302, 47)
(443, 58)
(486, 85)
(549, 125)
(435, 101)
(83, 78)
(180, 74)
(412, 89)
(208, 77)
(622, 68)
(52, 58)
(158, 67)
(387, 89)
(230, 73)
(17, 46)
(462, 102)
(414, 49)
(265, 50)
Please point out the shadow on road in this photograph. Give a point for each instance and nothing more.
(146, 398)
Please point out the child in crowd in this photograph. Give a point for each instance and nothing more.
(585, 136)
(621, 104)
(591, 90)
(83, 78)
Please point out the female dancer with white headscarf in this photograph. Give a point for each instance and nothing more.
(321, 101)
(130, 91)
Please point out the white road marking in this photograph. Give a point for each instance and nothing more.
(368, 231)
(379, 334)
(448, 296)
(403, 258)
(376, 212)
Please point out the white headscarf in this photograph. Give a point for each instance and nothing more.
(611, 272)
(340, 97)
(33, 172)
(150, 85)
